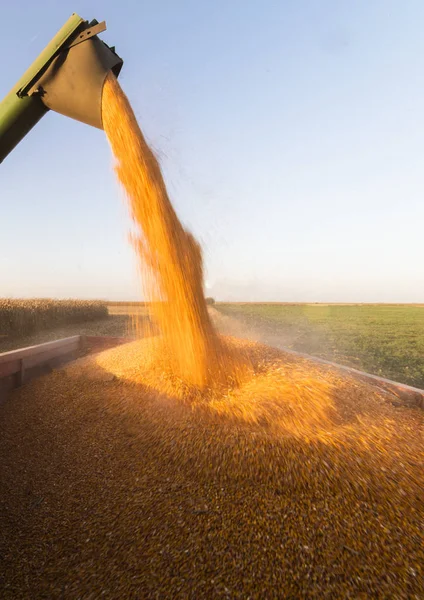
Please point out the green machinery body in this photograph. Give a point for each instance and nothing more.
(67, 77)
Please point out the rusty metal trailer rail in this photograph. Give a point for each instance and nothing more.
(405, 394)
(20, 366)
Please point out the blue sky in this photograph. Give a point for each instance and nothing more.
(291, 135)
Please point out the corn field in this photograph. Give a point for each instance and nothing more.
(21, 317)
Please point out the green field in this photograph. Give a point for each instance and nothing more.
(386, 340)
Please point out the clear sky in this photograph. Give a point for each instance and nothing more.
(291, 134)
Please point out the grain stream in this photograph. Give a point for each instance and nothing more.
(169, 258)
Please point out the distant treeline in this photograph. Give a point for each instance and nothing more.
(25, 316)
(125, 303)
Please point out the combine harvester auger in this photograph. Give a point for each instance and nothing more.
(67, 77)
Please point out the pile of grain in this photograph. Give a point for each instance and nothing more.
(118, 483)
